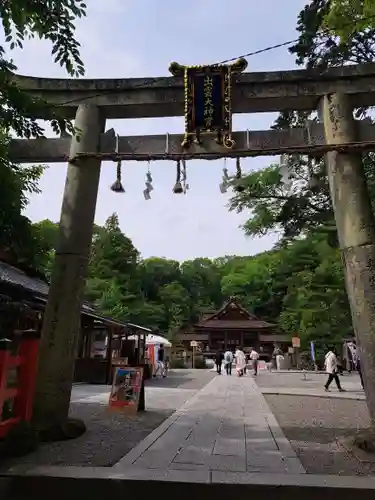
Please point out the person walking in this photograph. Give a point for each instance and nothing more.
(331, 367)
(218, 361)
(228, 360)
(278, 357)
(240, 362)
(254, 357)
(160, 366)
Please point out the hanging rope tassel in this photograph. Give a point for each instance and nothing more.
(238, 187)
(185, 185)
(314, 182)
(117, 186)
(178, 189)
(149, 180)
(148, 183)
(223, 186)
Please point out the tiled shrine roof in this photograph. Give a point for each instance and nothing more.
(232, 316)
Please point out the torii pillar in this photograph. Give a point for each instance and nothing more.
(356, 230)
(61, 324)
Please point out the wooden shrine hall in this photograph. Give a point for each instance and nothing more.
(233, 326)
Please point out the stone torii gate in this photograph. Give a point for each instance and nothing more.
(334, 93)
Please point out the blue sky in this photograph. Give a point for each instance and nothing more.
(126, 38)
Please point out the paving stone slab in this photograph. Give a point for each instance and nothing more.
(271, 461)
(229, 446)
(193, 455)
(294, 466)
(155, 459)
(227, 426)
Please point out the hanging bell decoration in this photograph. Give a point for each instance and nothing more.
(177, 188)
(117, 186)
(239, 188)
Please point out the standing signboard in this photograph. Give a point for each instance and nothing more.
(296, 342)
(194, 345)
(126, 389)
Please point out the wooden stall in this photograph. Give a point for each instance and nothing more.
(23, 297)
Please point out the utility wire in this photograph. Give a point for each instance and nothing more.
(283, 44)
(244, 56)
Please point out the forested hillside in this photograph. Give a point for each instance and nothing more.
(299, 286)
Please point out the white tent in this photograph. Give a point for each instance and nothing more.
(157, 339)
(154, 340)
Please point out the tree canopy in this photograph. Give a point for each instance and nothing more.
(303, 203)
(22, 20)
(347, 17)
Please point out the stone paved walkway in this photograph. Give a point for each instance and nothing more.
(227, 427)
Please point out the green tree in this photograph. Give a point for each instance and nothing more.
(346, 17)
(315, 303)
(201, 278)
(22, 20)
(292, 209)
(155, 273)
(46, 234)
(177, 305)
(112, 268)
(295, 209)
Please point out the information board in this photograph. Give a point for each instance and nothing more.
(126, 388)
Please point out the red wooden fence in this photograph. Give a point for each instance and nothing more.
(22, 396)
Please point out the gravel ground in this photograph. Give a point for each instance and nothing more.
(313, 426)
(309, 381)
(111, 435)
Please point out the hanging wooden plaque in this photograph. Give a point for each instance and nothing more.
(208, 101)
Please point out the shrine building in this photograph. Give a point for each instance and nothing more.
(233, 326)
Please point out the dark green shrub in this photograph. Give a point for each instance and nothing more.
(177, 363)
(200, 363)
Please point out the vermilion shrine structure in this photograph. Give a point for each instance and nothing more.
(334, 93)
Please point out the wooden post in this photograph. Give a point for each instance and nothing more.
(5, 355)
(356, 230)
(28, 352)
(62, 316)
(109, 355)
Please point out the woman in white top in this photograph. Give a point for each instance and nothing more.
(240, 361)
(331, 367)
